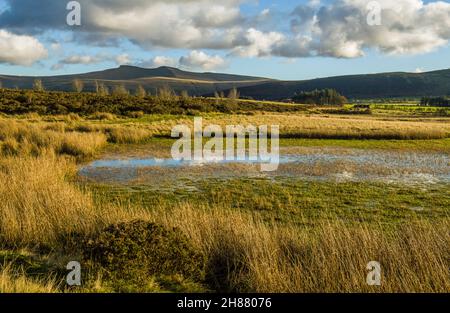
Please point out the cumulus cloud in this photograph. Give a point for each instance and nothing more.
(255, 43)
(341, 29)
(123, 59)
(20, 49)
(201, 60)
(77, 59)
(336, 29)
(188, 24)
(158, 61)
(81, 59)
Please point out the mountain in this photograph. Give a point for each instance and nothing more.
(150, 79)
(385, 85)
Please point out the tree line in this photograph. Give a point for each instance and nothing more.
(320, 97)
(435, 101)
(121, 101)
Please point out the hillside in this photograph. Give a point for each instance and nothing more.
(150, 79)
(385, 85)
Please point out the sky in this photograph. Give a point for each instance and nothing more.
(290, 40)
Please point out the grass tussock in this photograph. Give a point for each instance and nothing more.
(323, 127)
(42, 208)
(13, 281)
(247, 255)
(25, 138)
(122, 135)
(38, 203)
(298, 125)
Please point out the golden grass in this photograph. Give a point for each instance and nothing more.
(25, 138)
(12, 281)
(39, 206)
(302, 126)
(127, 135)
(316, 126)
(248, 255)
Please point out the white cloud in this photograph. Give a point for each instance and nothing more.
(407, 27)
(56, 46)
(123, 59)
(257, 43)
(20, 50)
(174, 24)
(333, 29)
(159, 61)
(81, 59)
(200, 60)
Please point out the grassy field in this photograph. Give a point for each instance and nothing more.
(247, 235)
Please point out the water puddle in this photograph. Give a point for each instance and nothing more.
(308, 163)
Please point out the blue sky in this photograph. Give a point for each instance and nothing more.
(289, 40)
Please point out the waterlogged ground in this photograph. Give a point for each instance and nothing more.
(322, 164)
(356, 184)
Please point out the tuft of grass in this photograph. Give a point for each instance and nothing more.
(43, 210)
(247, 255)
(122, 135)
(25, 138)
(103, 116)
(15, 281)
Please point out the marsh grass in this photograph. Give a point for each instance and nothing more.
(122, 135)
(298, 126)
(247, 255)
(41, 208)
(15, 281)
(25, 138)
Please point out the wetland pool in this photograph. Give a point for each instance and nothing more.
(325, 164)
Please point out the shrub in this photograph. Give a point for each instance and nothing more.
(81, 145)
(135, 250)
(127, 135)
(320, 97)
(10, 147)
(135, 114)
(103, 116)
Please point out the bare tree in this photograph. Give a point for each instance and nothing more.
(217, 97)
(102, 89)
(165, 93)
(120, 90)
(185, 95)
(38, 85)
(78, 85)
(234, 94)
(140, 92)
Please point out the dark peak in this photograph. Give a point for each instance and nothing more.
(128, 66)
(168, 68)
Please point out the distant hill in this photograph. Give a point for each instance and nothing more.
(385, 85)
(150, 79)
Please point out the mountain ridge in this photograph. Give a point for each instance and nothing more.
(378, 85)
